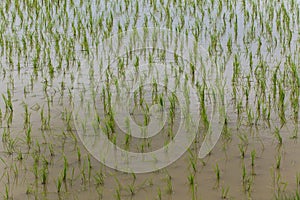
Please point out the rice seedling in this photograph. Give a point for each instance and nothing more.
(26, 116)
(248, 185)
(59, 184)
(99, 178)
(278, 135)
(8, 101)
(118, 194)
(193, 163)
(201, 91)
(6, 196)
(44, 175)
(169, 188)
(244, 173)
(20, 156)
(51, 150)
(16, 173)
(89, 168)
(298, 180)
(281, 105)
(78, 154)
(28, 136)
(29, 190)
(35, 170)
(225, 192)
(191, 179)
(217, 173)
(64, 175)
(242, 149)
(159, 196)
(132, 189)
(10, 143)
(253, 155)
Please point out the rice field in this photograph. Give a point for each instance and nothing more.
(150, 99)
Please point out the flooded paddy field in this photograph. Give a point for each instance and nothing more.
(118, 100)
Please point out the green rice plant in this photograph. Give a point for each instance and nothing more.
(59, 184)
(225, 192)
(118, 194)
(201, 94)
(9, 142)
(235, 28)
(229, 45)
(133, 176)
(51, 150)
(278, 135)
(278, 161)
(29, 190)
(161, 101)
(8, 101)
(6, 196)
(26, 116)
(193, 163)
(287, 196)
(239, 108)
(244, 143)
(114, 139)
(274, 82)
(172, 100)
(72, 176)
(64, 175)
(159, 196)
(83, 173)
(35, 170)
(20, 155)
(75, 140)
(44, 174)
(99, 178)
(68, 120)
(253, 155)
(242, 149)
(217, 172)
(298, 180)
(132, 189)
(9, 119)
(248, 184)
(191, 179)
(142, 148)
(281, 105)
(28, 136)
(128, 134)
(16, 172)
(169, 184)
(78, 154)
(43, 120)
(251, 62)
(244, 173)
(89, 168)
(250, 116)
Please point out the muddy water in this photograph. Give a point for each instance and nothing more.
(266, 179)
